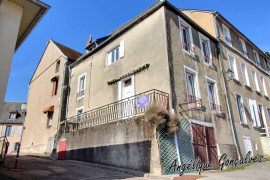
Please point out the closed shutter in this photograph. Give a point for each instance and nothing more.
(122, 49)
(252, 116)
(19, 131)
(4, 130)
(256, 113)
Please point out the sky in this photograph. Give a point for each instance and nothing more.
(71, 23)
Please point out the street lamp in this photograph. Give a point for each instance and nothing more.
(230, 74)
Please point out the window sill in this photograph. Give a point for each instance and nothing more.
(256, 127)
(244, 124)
(237, 81)
(258, 92)
(248, 87)
(189, 53)
(81, 97)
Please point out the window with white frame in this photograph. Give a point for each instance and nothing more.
(19, 131)
(233, 67)
(255, 80)
(81, 85)
(254, 113)
(192, 84)
(243, 47)
(227, 35)
(186, 36)
(262, 116)
(241, 109)
(7, 130)
(206, 49)
(263, 86)
(79, 114)
(213, 95)
(115, 54)
(13, 115)
(245, 74)
(257, 59)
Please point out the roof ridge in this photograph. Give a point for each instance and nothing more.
(65, 46)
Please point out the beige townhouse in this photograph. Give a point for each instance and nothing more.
(248, 86)
(18, 19)
(11, 124)
(46, 103)
(162, 58)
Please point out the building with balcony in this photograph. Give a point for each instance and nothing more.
(248, 87)
(161, 58)
(46, 103)
(18, 19)
(11, 124)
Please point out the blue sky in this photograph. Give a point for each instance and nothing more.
(71, 22)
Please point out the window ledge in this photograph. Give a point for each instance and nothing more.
(248, 87)
(237, 81)
(243, 123)
(256, 127)
(258, 92)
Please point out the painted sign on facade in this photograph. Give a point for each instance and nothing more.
(142, 101)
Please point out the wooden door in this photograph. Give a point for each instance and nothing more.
(62, 149)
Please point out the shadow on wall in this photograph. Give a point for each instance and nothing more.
(135, 156)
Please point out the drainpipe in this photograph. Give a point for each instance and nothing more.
(68, 88)
(226, 87)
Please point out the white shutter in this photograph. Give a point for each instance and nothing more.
(19, 131)
(109, 58)
(257, 114)
(4, 130)
(122, 49)
(12, 131)
(13, 147)
(251, 112)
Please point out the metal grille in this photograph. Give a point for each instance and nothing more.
(167, 146)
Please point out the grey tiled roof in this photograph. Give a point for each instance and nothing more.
(12, 107)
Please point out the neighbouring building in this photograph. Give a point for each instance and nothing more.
(46, 103)
(248, 87)
(162, 58)
(18, 18)
(11, 123)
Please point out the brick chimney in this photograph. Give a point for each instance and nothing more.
(89, 41)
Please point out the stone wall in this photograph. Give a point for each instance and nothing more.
(266, 146)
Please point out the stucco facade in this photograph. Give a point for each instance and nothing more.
(243, 83)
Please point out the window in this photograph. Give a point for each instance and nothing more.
(267, 66)
(233, 66)
(243, 47)
(81, 86)
(268, 112)
(19, 131)
(257, 59)
(255, 81)
(213, 95)
(263, 86)
(12, 115)
(254, 115)
(79, 113)
(186, 36)
(245, 74)
(57, 66)
(241, 109)
(261, 116)
(49, 118)
(55, 86)
(8, 130)
(115, 54)
(192, 86)
(206, 49)
(227, 35)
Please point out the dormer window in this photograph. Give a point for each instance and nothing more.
(257, 59)
(227, 35)
(243, 47)
(12, 115)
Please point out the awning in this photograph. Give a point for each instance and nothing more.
(48, 109)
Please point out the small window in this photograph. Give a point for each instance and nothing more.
(243, 47)
(255, 81)
(81, 85)
(128, 82)
(186, 36)
(241, 109)
(227, 35)
(206, 49)
(57, 66)
(115, 54)
(49, 118)
(55, 86)
(257, 59)
(9, 130)
(233, 66)
(192, 85)
(245, 74)
(261, 115)
(12, 115)
(79, 115)
(263, 86)
(267, 66)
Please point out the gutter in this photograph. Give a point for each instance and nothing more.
(226, 88)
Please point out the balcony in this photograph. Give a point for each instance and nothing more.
(123, 109)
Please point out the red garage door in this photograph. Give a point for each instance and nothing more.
(204, 143)
(62, 149)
